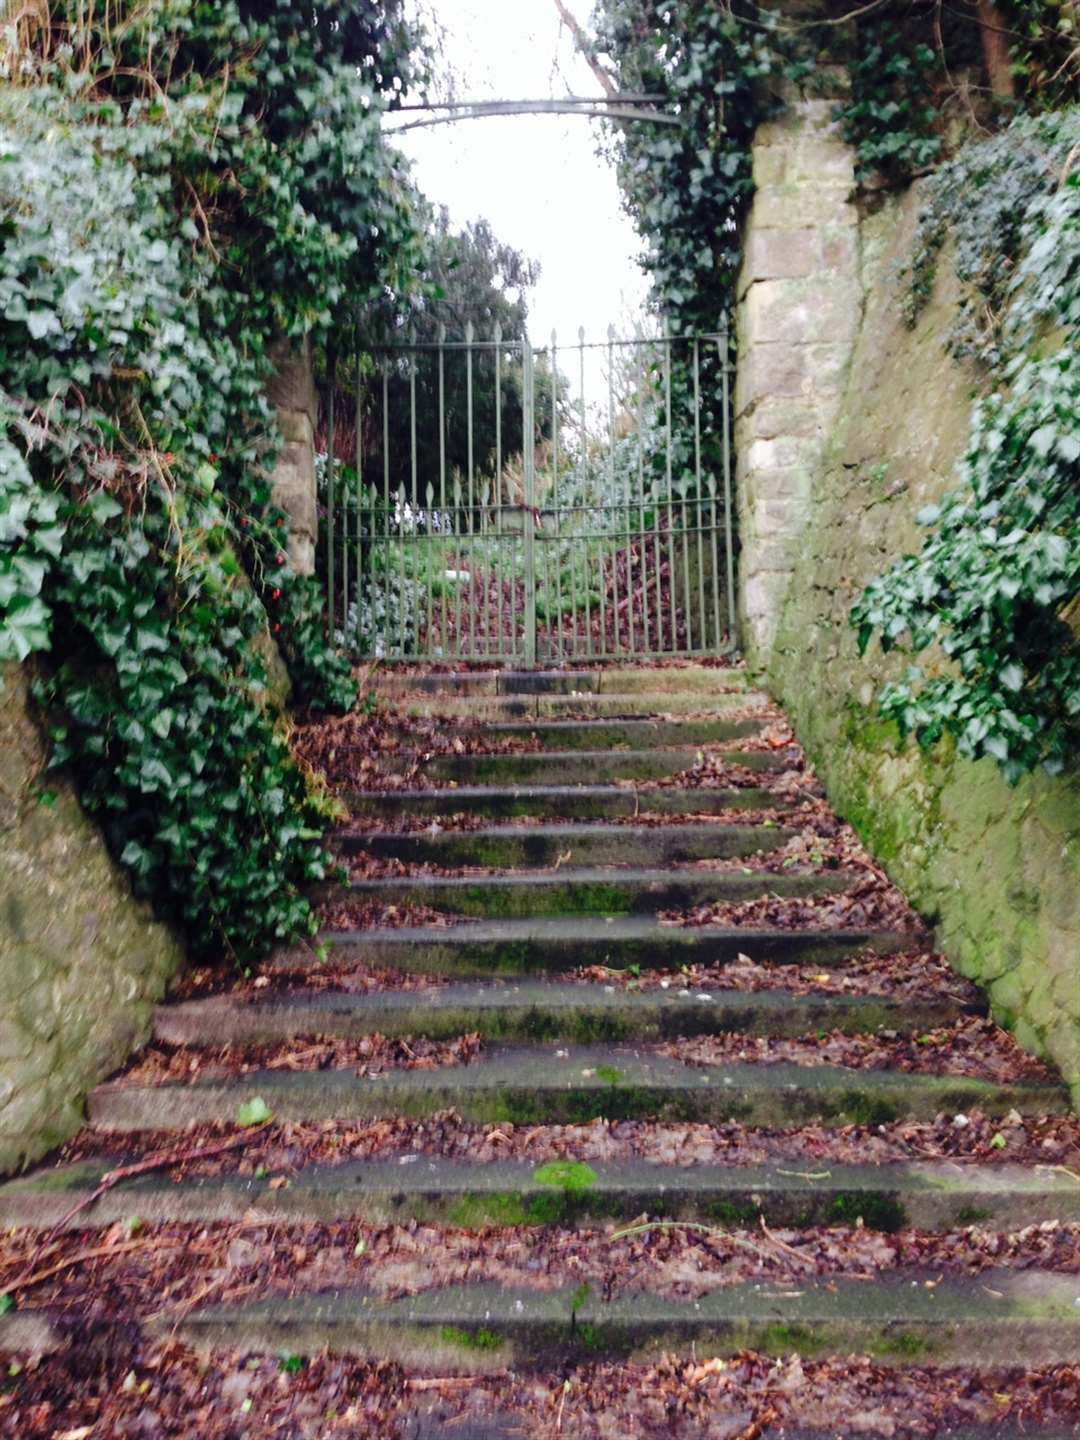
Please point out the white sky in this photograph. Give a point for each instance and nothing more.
(537, 179)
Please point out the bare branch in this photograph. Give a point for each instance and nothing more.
(581, 40)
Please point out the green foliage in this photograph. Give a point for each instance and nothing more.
(687, 189)
(567, 1175)
(253, 1112)
(890, 117)
(996, 579)
(470, 278)
(909, 56)
(180, 188)
(1044, 50)
(471, 1339)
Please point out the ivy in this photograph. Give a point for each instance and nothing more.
(687, 189)
(180, 187)
(890, 116)
(996, 581)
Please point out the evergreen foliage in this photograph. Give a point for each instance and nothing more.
(181, 186)
(996, 582)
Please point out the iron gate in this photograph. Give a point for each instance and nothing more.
(477, 504)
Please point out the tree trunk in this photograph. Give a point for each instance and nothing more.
(995, 42)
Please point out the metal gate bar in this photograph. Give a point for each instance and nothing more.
(593, 533)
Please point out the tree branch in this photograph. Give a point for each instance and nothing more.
(581, 40)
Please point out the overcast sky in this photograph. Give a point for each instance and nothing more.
(537, 179)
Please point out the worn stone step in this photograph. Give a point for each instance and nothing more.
(520, 947)
(623, 680)
(566, 802)
(1002, 1317)
(635, 733)
(541, 1010)
(432, 1190)
(574, 767)
(403, 683)
(509, 847)
(595, 890)
(590, 703)
(539, 1086)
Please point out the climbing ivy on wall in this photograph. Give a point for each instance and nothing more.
(180, 187)
(916, 66)
(995, 586)
(996, 583)
(687, 189)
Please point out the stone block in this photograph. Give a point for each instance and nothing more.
(827, 366)
(781, 255)
(785, 417)
(770, 371)
(770, 165)
(793, 483)
(839, 252)
(292, 482)
(794, 206)
(765, 553)
(779, 453)
(799, 312)
(302, 553)
(296, 428)
(822, 161)
(292, 386)
(782, 517)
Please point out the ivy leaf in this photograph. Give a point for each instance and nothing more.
(253, 1112)
(103, 506)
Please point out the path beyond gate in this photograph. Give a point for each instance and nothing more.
(508, 502)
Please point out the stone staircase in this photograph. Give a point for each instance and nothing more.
(539, 861)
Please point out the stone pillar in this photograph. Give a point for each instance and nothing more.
(798, 303)
(293, 394)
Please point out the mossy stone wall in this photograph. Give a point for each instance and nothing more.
(81, 962)
(997, 869)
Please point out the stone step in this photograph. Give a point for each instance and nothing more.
(589, 703)
(431, 1190)
(522, 947)
(999, 1318)
(540, 1010)
(565, 802)
(574, 767)
(622, 680)
(539, 1086)
(510, 847)
(635, 733)
(596, 890)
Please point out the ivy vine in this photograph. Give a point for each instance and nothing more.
(996, 581)
(180, 187)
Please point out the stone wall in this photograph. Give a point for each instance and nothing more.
(997, 869)
(81, 962)
(798, 309)
(293, 394)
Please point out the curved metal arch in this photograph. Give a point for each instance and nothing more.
(617, 107)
